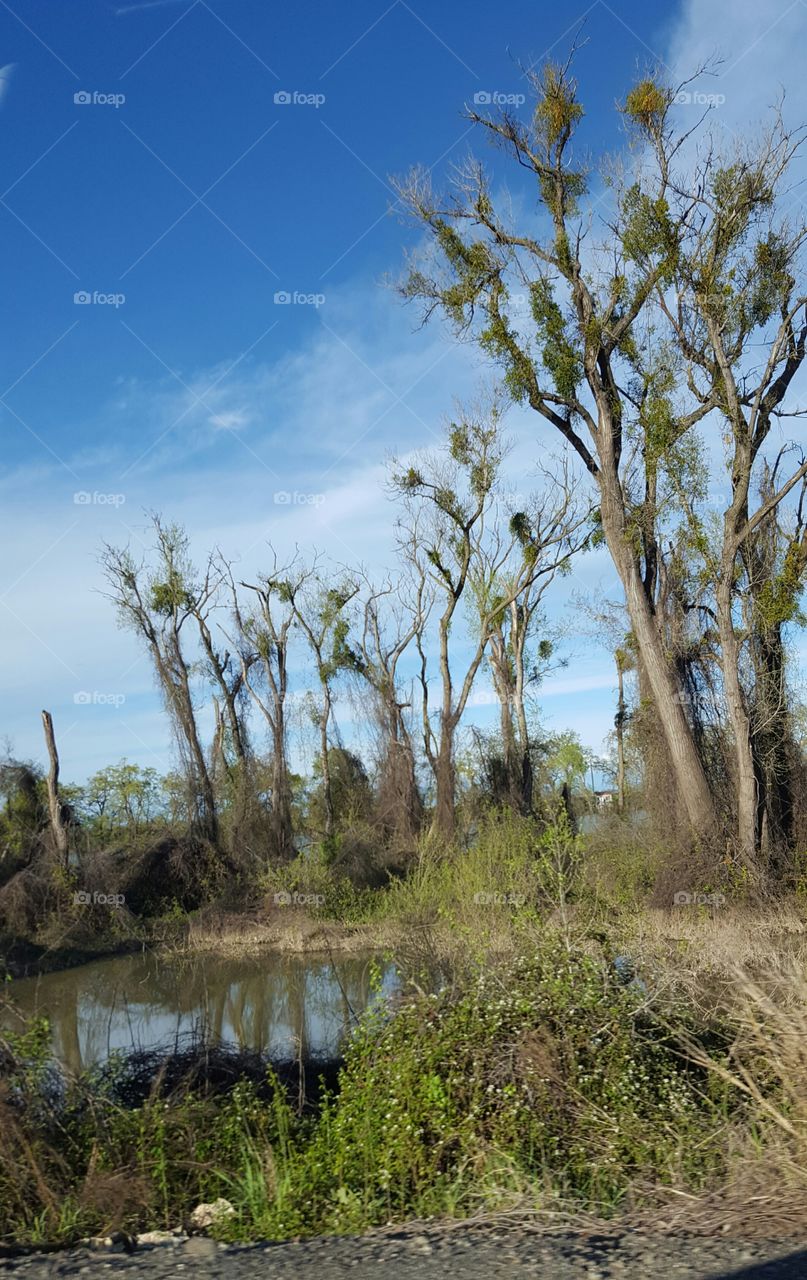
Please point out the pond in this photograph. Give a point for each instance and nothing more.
(283, 1006)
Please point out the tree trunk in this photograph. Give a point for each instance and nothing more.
(444, 777)
(620, 742)
(399, 802)
(172, 671)
(745, 779)
(511, 755)
(57, 824)
(523, 738)
(690, 777)
(327, 792)
(207, 822)
(774, 749)
(281, 801)
(515, 787)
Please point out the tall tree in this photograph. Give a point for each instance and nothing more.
(263, 639)
(157, 603)
(389, 625)
(570, 359)
(454, 534)
(545, 536)
(739, 318)
(447, 498)
(321, 612)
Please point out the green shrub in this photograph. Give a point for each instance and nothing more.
(548, 1080)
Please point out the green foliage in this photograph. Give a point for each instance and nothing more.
(555, 118)
(649, 232)
(456, 1102)
(777, 602)
(22, 816)
(169, 596)
(472, 264)
(557, 111)
(351, 791)
(566, 761)
(121, 801)
(561, 357)
(647, 105)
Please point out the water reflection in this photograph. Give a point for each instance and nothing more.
(282, 1006)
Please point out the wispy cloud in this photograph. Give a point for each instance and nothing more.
(145, 4)
(6, 74)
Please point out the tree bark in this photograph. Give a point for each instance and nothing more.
(773, 746)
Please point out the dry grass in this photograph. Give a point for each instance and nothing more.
(694, 945)
(765, 1193)
(286, 931)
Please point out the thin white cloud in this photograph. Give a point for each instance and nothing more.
(6, 74)
(146, 4)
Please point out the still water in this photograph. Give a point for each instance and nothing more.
(281, 1005)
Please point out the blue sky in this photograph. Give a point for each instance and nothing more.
(148, 166)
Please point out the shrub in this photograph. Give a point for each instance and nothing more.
(548, 1081)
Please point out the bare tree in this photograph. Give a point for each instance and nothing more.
(157, 604)
(264, 636)
(389, 625)
(230, 755)
(453, 536)
(545, 536)
(320, 611)
(58, 824)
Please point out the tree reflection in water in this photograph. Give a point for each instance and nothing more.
(284, 1006)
